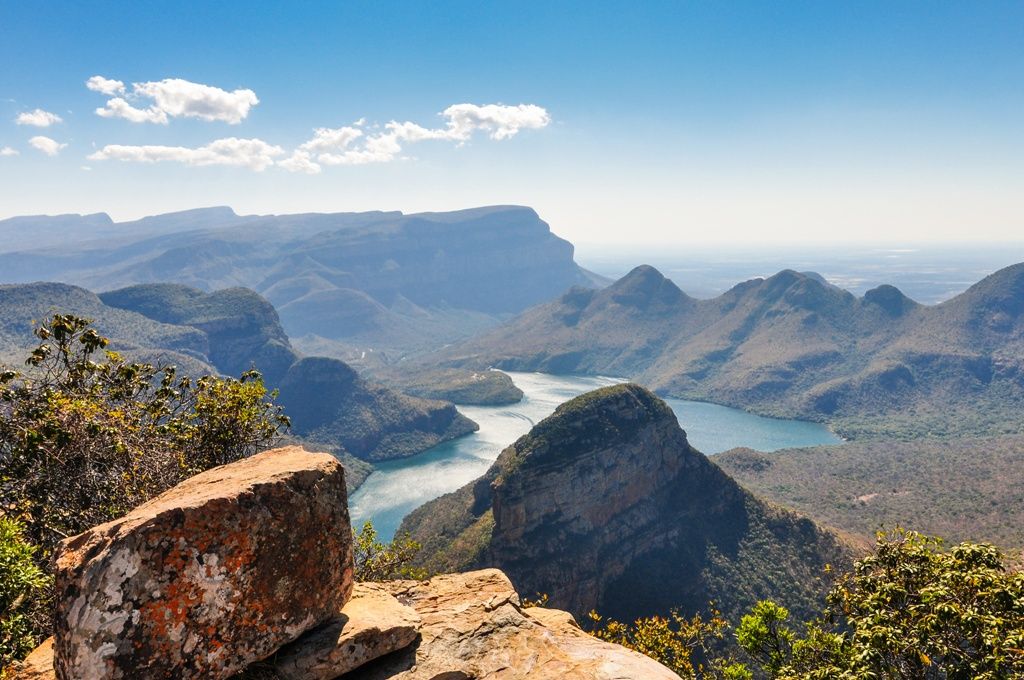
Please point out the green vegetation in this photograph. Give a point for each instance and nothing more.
(687, 646)
(85, 436)
(963, 489)
(376, 561)
(459, 386)
(23, 587)
(332, 403)
(908, 611)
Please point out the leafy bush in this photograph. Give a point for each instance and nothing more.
(687, 646)
(84, 439)
(909, 610)
(85, 436)
(21, 584)
(376, 561)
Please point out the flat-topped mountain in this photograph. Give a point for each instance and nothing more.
(605, 505)
(789, 345)
(229, 332)
(363, 281)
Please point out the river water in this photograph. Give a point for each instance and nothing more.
(397, 487)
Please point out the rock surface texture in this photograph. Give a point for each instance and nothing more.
(373, 623)
(214, 574)
(474, 628)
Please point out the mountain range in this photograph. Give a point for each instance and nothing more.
(790, 345)
(369, 287)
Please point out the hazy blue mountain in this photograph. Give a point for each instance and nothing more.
(789, 345)
(344, 283)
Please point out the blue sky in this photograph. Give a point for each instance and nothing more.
(644, 122)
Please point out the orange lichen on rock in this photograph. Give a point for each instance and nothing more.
(216, 573)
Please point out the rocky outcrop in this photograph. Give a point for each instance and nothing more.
(330, 402)
(605, 505)
(372, 624)
(475, 628)
(212, 575)
(248, 567)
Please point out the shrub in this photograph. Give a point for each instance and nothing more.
(687, 646)
(376, 561)
(22, 583)
(85, 438)
(909, 610)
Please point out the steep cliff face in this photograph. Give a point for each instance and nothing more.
(329, 402)
(606, 506)
(242, 327)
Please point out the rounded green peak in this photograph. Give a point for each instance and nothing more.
(594, 421)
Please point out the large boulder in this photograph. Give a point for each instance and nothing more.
(474, 627)
(214, 574)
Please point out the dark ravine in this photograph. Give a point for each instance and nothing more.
(605, 505)
(790, 346)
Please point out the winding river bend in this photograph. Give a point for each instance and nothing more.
(397, 487)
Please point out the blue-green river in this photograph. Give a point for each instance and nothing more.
(397, 487)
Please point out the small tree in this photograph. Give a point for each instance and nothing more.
(376, 561)
(85, 435)
(909, 610)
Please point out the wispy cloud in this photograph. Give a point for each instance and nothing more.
(8, 151)
(251, 153)
(38, 118)
(350, 145)
(172, 98)
(50, 147)
(354, 144)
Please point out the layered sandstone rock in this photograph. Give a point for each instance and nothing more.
(474, 627)
(216, 573)
(373, 623)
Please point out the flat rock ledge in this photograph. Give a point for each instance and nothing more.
(473, 627)
(372, 624)
(214, 574)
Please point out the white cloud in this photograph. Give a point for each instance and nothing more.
(300, 161)
(251, 153)
(119, 108)
(105, 85)
(501, 122)
(48, 146)
(175, 98)
(338, 146)
(8, 151)
(37, 118)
